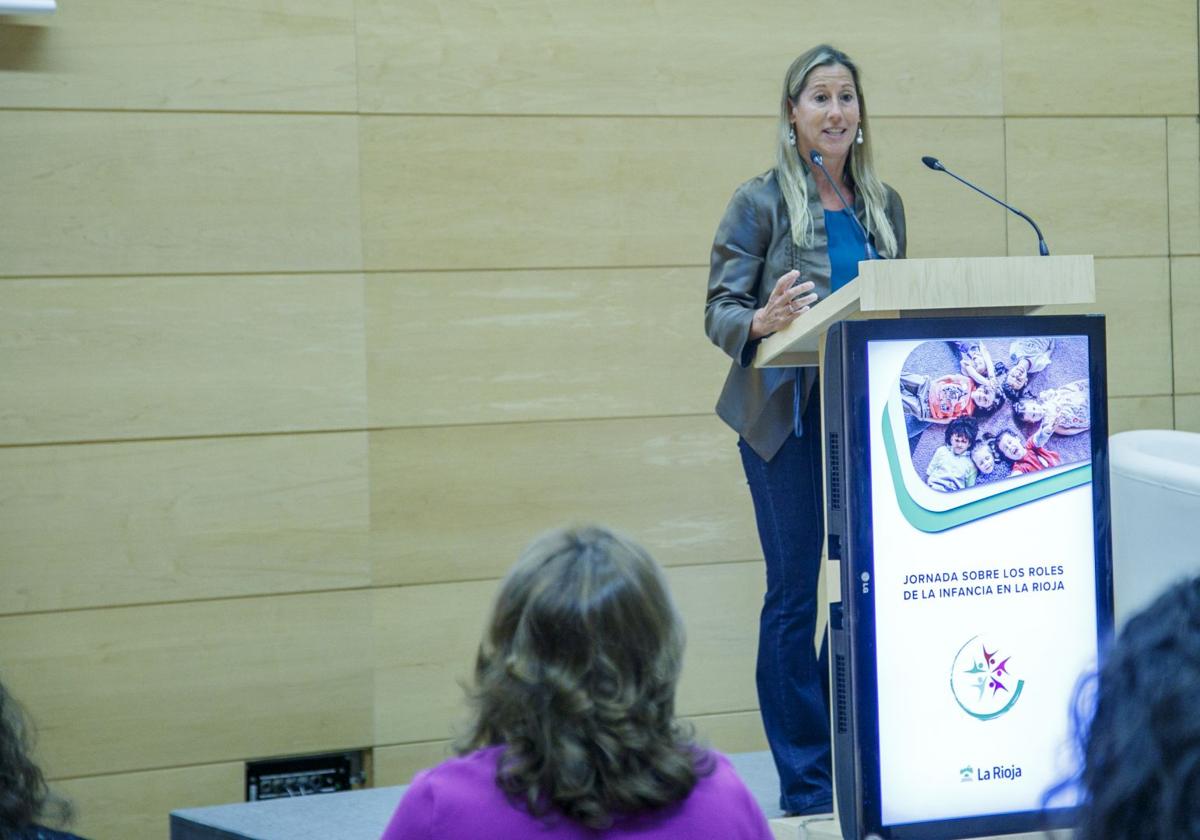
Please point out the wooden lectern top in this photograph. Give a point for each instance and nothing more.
(959, 286)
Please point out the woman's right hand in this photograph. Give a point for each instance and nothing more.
(787, 303)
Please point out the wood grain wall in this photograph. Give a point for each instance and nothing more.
(311, 314)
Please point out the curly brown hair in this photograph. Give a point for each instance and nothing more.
(576, 676)
(1138, 735)
(24, 796)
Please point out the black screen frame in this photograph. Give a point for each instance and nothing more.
(859, 550)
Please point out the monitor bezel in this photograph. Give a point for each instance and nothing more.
(859, 557)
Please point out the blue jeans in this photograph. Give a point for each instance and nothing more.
(792, 680)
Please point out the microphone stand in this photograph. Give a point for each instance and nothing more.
(936, 165)
(817, 159)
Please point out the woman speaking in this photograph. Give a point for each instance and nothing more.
(787, 239)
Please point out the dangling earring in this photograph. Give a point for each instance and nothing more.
(792, 135)
(859, 138)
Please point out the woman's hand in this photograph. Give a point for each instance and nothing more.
(786, 304)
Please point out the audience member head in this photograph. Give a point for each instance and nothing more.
(576, 677)
(24, 798)
(1139, 727)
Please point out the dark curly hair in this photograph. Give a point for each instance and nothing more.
(987, 441)
(576, 676)
(24, 796)
(964, 426)
(1138, 730)
(1013, 394)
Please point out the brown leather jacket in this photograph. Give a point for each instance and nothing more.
(752, 249)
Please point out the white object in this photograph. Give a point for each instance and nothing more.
(1155, 484)
(27, 7)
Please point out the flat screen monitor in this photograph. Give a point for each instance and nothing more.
(968, 509)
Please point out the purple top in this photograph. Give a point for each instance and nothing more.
(459, 799)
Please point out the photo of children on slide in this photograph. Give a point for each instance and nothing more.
(982, 410)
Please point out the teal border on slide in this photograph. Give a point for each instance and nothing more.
(932, 522)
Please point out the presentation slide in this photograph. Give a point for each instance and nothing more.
(984, 568)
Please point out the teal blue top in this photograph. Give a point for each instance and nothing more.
(846, 247)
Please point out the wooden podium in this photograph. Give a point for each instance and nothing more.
(958, 286)
(914, 288)
(962, 287)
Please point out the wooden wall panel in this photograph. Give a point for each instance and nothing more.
(1183, 174)
(102, 358)
(1096, 186)
(425, 643)
(396, 764)
(111, 193)
(1096, 57)
(1185, 312)
(667, 57)
(183, 54)
(1187, 413)
(510, 192)
(597, 192)
(732, 732)
(1126, 413)
(1134, 295)
(944, 218)
(937, 58)
(460, 503)
(136, 806)
(426, 638)
(104, 524)
(486, 347)
(141, 688)
(720, 606)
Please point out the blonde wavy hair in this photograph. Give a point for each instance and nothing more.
(576, 676)
(791, 169)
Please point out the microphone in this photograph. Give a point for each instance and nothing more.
(936, 165)
(816, 158)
